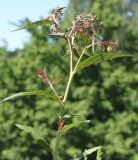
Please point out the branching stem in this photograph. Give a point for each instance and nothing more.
(64, 100)
(71, 75)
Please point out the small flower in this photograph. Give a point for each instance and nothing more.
(61, 125)
(59, 12)
(93, 18)
(109, 48)
(55, 17)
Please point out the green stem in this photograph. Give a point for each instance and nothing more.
(64, 100)
(68, 87)
(93, 40)
(58, 134)
(71, 56)
(55, 92)
(75, 68)
(72, 73)
(61, 116)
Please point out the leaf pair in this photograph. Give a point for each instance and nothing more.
(35, 133)
(37, 136)
(89, 61)
(97, 58)
(66, 128)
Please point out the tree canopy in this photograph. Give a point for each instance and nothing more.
(105, 93)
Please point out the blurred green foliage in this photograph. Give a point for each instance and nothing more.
(106, 93)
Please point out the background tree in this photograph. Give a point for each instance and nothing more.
(111, 89)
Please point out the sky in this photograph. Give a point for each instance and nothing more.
(16, 10)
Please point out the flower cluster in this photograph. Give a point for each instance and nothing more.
(55, 17)
(87, 25)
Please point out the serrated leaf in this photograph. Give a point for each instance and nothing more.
(99, 58)
(30, 93)
(99, 154)
(35, 24)
(67, 116)
(36, 135)
(86, 152)
(24, 128)
(78, 157)
(66, 128)
(90, 151)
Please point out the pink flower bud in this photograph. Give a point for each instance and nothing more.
(61, 125)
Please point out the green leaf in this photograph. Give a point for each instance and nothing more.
(67, 116)
(86, 152)
(35, 24)
(90, 151)
(25, 128)
(35, 133)
(78, 157)
(66, 128)
(99, 154)
(99, 58)
(30, 93)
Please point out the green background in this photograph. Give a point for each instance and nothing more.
(106, 93)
